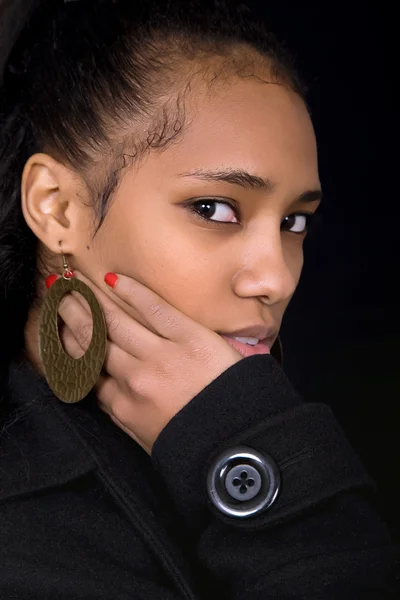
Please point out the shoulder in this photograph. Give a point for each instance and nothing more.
(38, 448)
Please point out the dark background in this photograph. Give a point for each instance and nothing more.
(341, 335)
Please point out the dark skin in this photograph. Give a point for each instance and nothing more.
(182, 279)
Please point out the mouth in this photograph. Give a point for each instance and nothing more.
(251, 340)
(249, 349)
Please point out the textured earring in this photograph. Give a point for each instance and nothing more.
(69, 378)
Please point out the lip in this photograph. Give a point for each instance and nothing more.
(263, 333)
(247, 350)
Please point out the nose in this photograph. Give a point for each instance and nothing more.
(269, 270)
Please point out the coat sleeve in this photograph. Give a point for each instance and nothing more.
(316, 533)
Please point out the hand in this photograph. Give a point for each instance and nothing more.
(156, 361)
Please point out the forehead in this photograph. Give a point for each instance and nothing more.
(257, 125)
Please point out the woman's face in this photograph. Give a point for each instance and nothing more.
(248, 158)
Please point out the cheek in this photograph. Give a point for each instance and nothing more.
(165, 258)
(294, 256)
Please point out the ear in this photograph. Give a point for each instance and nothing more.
(51, 205)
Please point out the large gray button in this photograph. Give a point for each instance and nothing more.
(242, 482)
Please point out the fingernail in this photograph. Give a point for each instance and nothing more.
(51, 279)
(111, 279)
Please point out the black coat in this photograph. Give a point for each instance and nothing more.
(85, 513)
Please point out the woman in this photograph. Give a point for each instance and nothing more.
(160, 163)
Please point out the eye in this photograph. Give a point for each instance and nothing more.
(215, 211)
(218, 211)
(297, 222)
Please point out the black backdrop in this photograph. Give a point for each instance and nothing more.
(341, 335)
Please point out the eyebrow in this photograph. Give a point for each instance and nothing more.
(248, 181)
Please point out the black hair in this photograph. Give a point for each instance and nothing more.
(82, 70)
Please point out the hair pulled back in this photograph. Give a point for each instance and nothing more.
(81, 70)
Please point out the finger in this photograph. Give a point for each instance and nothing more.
(69, 343)
(77, 334)
(120, 365)
(106, 387)
(82, 301)
(109, 301)
(122, 328)
(111, 399)
(164, 318)
(118, 423)
(77, 319)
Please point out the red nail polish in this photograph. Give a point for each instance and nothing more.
(111, 279)
(51, 279)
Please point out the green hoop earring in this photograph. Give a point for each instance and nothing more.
(70, 379)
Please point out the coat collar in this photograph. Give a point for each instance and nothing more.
(32, 458)
(45, 443)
